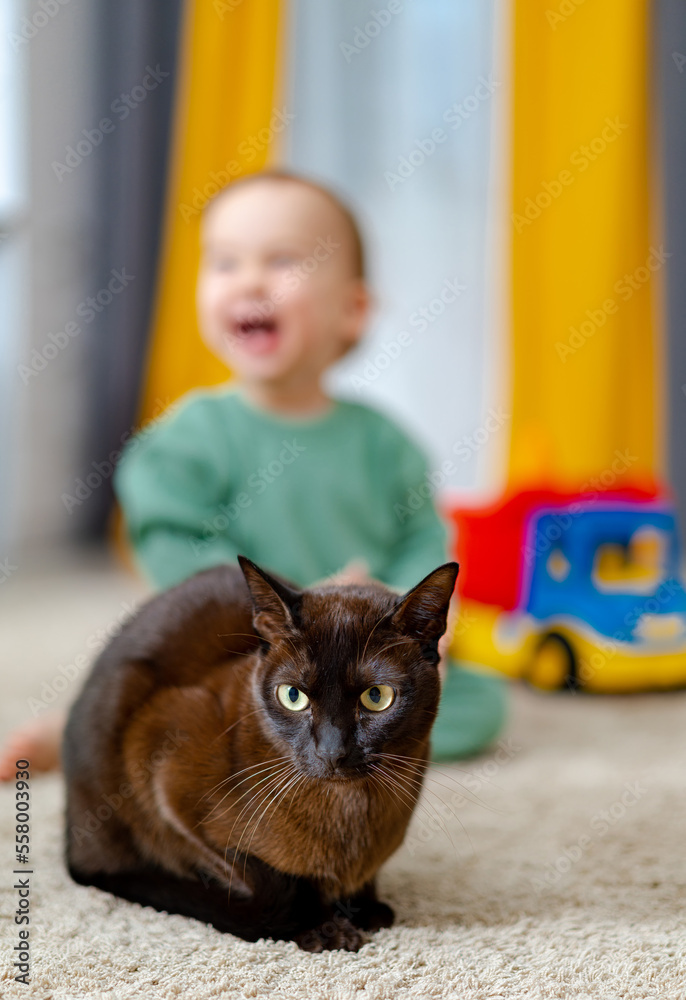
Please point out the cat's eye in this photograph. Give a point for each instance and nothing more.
(378, 698)
(292, 697)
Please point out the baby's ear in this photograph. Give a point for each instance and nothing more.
(275, 605)
(423, 612)
(355, 320)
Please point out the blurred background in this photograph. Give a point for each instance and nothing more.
(518, 169)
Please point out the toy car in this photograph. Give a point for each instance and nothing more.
(573, 592)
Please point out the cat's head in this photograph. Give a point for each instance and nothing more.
(347, 672)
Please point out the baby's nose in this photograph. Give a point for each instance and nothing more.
(252, 279)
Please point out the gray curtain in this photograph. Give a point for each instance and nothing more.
(135, 78)
(670, 65)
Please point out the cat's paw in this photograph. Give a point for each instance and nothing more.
(374, 915)
(337, 933)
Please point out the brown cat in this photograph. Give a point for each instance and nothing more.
(250, 756)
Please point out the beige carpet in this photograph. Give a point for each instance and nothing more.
(562, 873)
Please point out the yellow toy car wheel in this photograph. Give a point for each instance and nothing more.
(553, 667)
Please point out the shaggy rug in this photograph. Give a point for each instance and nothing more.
(553, 866)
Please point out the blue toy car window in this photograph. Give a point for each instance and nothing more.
(636, 567)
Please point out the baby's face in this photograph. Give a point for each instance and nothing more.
(277, 298)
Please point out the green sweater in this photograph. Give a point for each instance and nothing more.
(218, 477)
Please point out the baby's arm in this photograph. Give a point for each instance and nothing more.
(168, 554)
(171, 485)
(421, 549)
(421, 538)
(421, 543)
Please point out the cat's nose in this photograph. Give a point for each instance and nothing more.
(332, 757)
(330, 745)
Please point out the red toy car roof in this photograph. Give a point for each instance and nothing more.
(490, 541)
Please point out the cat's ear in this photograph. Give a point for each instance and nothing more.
(423, 612)
(275, 605)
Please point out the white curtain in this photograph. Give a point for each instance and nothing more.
(13, 258)
(393, 106)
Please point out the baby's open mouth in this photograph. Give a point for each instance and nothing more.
(257, 335)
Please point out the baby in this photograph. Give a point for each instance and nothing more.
(305, 485)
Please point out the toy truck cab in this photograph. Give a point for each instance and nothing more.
(584, 592)
(605, 590)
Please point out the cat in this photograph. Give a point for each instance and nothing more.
(249, 753)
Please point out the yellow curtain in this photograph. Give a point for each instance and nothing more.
(586, 267)
(228, 118)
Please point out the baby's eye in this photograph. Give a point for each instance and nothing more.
(284, 260)
(292, 697)
(378, 698)
(225, 265)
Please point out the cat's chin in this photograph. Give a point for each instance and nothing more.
(339, 777)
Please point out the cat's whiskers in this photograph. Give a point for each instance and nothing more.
(235, 787)
(252, 635)
(412, 769)
(384, 782)
(420, 806)
(231, 777)
(462, 770)
(270, 770)
(489, 781)
(258, 793)
(284, 637)
(397, 763)
(241, 635)
(399, 642)
(402, 794)
(273, 775)
(260, 708)
(397, 781)
(379, 784)
(430, 791)
(435, 769)
(400, 763)
(415, 763)
(276, 797)
(252, 769)
(383, 617)
(272, 782)
(271, 794)
(303, 780)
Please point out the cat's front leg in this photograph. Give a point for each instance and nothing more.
(336, 933)
(334, 927)
(346, 920)
(365, 910)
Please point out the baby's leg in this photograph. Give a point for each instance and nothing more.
(37, 741)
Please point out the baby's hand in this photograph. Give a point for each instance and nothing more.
(356, 571)
(443, 647)
(445, 642)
